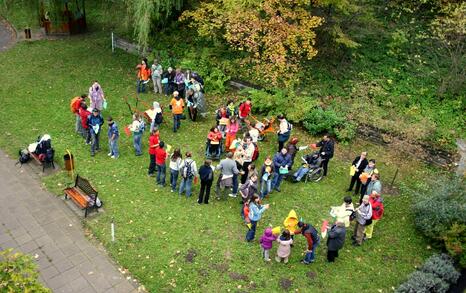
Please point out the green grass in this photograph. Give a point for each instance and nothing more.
(154, 228)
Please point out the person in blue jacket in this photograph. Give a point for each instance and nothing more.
(255, 214)
(281, 162)
(95, 122)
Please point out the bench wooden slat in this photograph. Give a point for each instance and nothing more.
(79, 199)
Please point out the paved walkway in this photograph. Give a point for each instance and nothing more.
(36, 222)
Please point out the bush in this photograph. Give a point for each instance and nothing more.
(334, 122)
(18, 273)
(420, 282)
(437, 274)
(440, 213)
(442, 266)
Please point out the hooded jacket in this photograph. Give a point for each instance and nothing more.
(284, 248)
(291, 222)
(267, 239)
(280, 160)
(377, 207)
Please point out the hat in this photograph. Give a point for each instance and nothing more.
(294, 140)
(157, 108)
(268, 162)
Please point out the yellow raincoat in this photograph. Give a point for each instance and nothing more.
(291, 222)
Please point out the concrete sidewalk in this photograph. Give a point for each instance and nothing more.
(38, 223)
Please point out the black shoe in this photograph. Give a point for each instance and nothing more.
(348, 190)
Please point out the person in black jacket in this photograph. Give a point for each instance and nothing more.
(335, 240)
(326, 151)
(359, 163)
(206, 173)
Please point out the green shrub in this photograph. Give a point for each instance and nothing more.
(436, 275)
(442, 266)
(421, 282)
(18, 273)
(319, 120)
(440, 213)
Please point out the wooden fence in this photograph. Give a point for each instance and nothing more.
(123, 44)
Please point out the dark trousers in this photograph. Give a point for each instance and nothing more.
(324, 165)
(244, 177)
(251, 232)
(355, 179)
(331, 255)
(205, 186)
(151, 164)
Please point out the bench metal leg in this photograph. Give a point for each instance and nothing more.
(85, 213)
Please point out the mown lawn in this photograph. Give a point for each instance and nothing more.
(156, 231)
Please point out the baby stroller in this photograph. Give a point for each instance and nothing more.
(265, 126)
(311, 169)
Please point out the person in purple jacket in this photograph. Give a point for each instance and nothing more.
(266, 242)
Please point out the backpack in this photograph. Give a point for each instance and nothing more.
(24, 156)
(158, 118)
(255, 155)
(188, 170)
(290, 126)
(49, 153)
(314, 235)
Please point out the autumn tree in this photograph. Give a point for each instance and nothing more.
(274, 35)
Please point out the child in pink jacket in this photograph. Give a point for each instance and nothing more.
(284, 248)
(266, 242)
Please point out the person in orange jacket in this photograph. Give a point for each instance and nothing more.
(75, 105)
(144, 74)
(177, 107)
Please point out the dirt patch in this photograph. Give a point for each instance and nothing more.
(191, 255)
(238, 276)
(203, 273)
(286, 284)
(220, 267)
(311, 275)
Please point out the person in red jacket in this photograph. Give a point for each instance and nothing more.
(75, 105)
(83, 114)
(214, 138)
(244, 111)
(160, 158)
(377, 212)
(153, 145)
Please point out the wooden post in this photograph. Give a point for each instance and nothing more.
(113, 44)
(394, 177)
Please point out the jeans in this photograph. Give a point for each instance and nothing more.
(266, 187)
(205, 186)
(173, 178)
(151, 164)
(157, 84)
(167, 89)
(87, 135)
(137, 143)
(310, 256)
(176, 121)
(161, 174)
(235, 184)
(277, 180)
(78, 125)
(251, 232)
(94, 141)
(113, 147)
(141, 86)
(302, 171)
(186, 183)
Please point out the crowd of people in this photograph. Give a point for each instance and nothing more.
(236, 137)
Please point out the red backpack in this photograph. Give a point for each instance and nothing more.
(255, 155)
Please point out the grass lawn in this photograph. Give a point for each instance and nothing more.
(171, 243)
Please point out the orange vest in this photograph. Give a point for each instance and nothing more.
(177, 106)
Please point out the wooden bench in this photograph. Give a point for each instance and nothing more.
(83, 195)
(42, 163)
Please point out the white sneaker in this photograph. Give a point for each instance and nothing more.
(232, 195)
(109, 154)
(113, 157)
